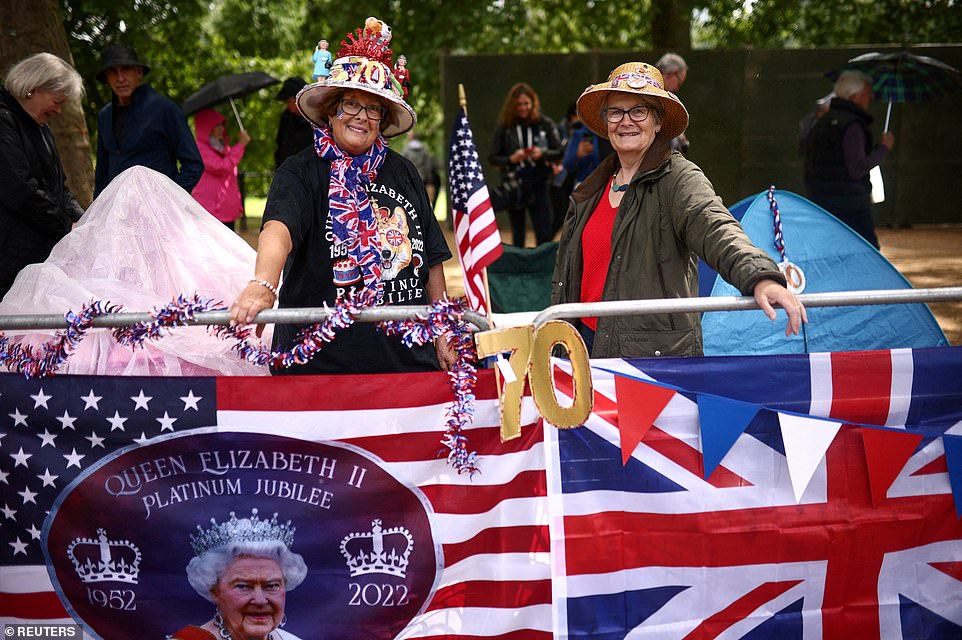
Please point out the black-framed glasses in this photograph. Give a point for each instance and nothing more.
(615, 115)
(352, 108)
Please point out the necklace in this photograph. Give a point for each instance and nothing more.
(224, 633)
(617, 188)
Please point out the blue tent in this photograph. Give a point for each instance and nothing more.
(833, 258)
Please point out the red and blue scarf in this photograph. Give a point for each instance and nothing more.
(353, 220)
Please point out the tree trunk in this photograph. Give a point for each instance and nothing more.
(671, 24)
(34, 26)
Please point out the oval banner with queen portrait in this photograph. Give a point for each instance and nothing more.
(132, 544)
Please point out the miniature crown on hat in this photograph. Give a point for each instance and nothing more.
(251, 529)
(369, 42)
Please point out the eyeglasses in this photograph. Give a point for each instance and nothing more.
(351, 108)
(615, 115)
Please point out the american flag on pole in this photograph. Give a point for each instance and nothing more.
(476, 229)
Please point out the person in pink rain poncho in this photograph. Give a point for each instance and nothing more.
(217, 190)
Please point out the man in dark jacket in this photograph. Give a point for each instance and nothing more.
(840, 154)
(141, 127)
(294, 133)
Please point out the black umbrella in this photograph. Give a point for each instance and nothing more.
(225, 89)
(900, 76)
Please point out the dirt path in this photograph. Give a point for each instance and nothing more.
(926, 256)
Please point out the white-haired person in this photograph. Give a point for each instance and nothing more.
(244, 567)
(36, 207)
(351, 215)
(636, 226)
(840, 153)
(674, 70)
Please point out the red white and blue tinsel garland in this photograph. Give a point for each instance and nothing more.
(443, 319)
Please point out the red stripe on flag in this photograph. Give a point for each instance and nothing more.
(478, 498)
(740, 609)
(861, 386)
(340, 393)
(32, 606)
(531, 539)
(939, 465)
(491, 593)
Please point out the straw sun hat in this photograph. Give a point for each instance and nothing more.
(637, 78)
(364, 64)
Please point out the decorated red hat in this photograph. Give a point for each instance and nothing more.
(363, 63)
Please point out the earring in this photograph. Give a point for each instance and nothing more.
(283, 620)
(30, 94)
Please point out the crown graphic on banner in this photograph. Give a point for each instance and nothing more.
(253, 529)
(378, 551)
(103, 560)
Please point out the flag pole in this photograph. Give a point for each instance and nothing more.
(463, 102)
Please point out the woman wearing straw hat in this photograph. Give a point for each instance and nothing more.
(636, 225)
(349, 215)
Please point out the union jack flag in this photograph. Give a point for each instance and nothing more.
(652, 549)
(476, 229)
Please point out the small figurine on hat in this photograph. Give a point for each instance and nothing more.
(322, 61)
(403, 75)
(378, 28)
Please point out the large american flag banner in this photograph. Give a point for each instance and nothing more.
(493, 576)
(555, 538)
(475, 226)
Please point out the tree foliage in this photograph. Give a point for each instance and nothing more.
(190, 42)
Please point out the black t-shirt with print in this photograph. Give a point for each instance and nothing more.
(412, 243)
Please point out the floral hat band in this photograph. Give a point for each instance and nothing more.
(635, 81)
(636, 78)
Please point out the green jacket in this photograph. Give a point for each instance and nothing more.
(669, 216)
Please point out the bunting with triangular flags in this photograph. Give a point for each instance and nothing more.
(886, 452)
(721, 422)
(806, 441)
(639, 404)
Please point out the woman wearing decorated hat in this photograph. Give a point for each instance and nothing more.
(636, 226)
(351, 215)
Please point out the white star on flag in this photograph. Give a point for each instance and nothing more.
(40, 399)
(190, 400)
(141, 400)
(91, 401)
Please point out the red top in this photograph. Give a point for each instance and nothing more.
(193, 633)
(596, 253)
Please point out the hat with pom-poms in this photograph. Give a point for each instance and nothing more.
(363, 63)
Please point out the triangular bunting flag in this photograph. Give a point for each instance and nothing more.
(806, 441)
(953, 457)
(886, 452)
(721, 421)
(639, 403)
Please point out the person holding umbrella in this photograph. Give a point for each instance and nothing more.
(141, 127)
(294, 133)
(218, 190)
(350, 216)
(841, 153)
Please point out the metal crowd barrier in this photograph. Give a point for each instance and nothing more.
(561, 311)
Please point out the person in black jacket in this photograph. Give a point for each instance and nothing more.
(141, 127)
(36, 208)
(294, 133)
(840, 154)
(525, 146)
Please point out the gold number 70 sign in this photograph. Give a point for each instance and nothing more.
(530, 358)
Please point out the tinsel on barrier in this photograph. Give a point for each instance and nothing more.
(443, 319)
